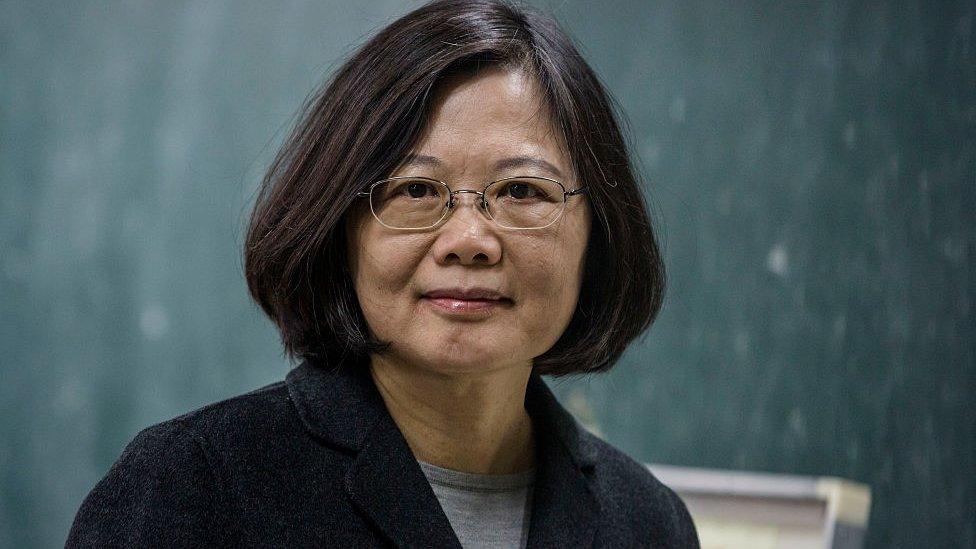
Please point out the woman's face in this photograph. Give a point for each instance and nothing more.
(408, 282)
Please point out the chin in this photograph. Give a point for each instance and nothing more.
(466, 359)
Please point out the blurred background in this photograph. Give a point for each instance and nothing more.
(811, 168)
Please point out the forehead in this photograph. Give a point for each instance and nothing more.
(476, 120)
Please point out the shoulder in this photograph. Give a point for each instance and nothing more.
(218, 429)
(168, 483)
(243, 431)
(235, 420)
(633, 495)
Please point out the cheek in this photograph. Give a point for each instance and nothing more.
(550, 275)
(382, 270)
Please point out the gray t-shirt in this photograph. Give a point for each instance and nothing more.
(484, 510)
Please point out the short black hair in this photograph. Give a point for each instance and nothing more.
(360, 125)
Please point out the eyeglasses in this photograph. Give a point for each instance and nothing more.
(413, 203)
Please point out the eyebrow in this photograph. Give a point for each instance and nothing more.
(509, 163)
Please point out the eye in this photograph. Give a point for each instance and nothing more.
(415, 190)
(418, 190)
(523, 190)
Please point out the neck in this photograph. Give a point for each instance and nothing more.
(472, 423)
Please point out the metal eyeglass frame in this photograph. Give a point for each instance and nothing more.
(449, 207)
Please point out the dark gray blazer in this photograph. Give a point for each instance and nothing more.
(317, 460)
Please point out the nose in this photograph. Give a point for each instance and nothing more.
(468, 236)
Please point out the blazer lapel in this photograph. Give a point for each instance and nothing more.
(342, 405)
(385, 482)
(565, 512)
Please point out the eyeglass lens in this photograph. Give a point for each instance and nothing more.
(518, 203)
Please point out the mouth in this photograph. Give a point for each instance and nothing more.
(466, 301)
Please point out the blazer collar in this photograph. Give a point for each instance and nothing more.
(341, 405)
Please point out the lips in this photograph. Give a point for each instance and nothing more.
(466, 301)
(469, 294)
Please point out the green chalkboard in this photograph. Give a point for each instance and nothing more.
(811, 168)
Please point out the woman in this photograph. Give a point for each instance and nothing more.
(454, 216)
